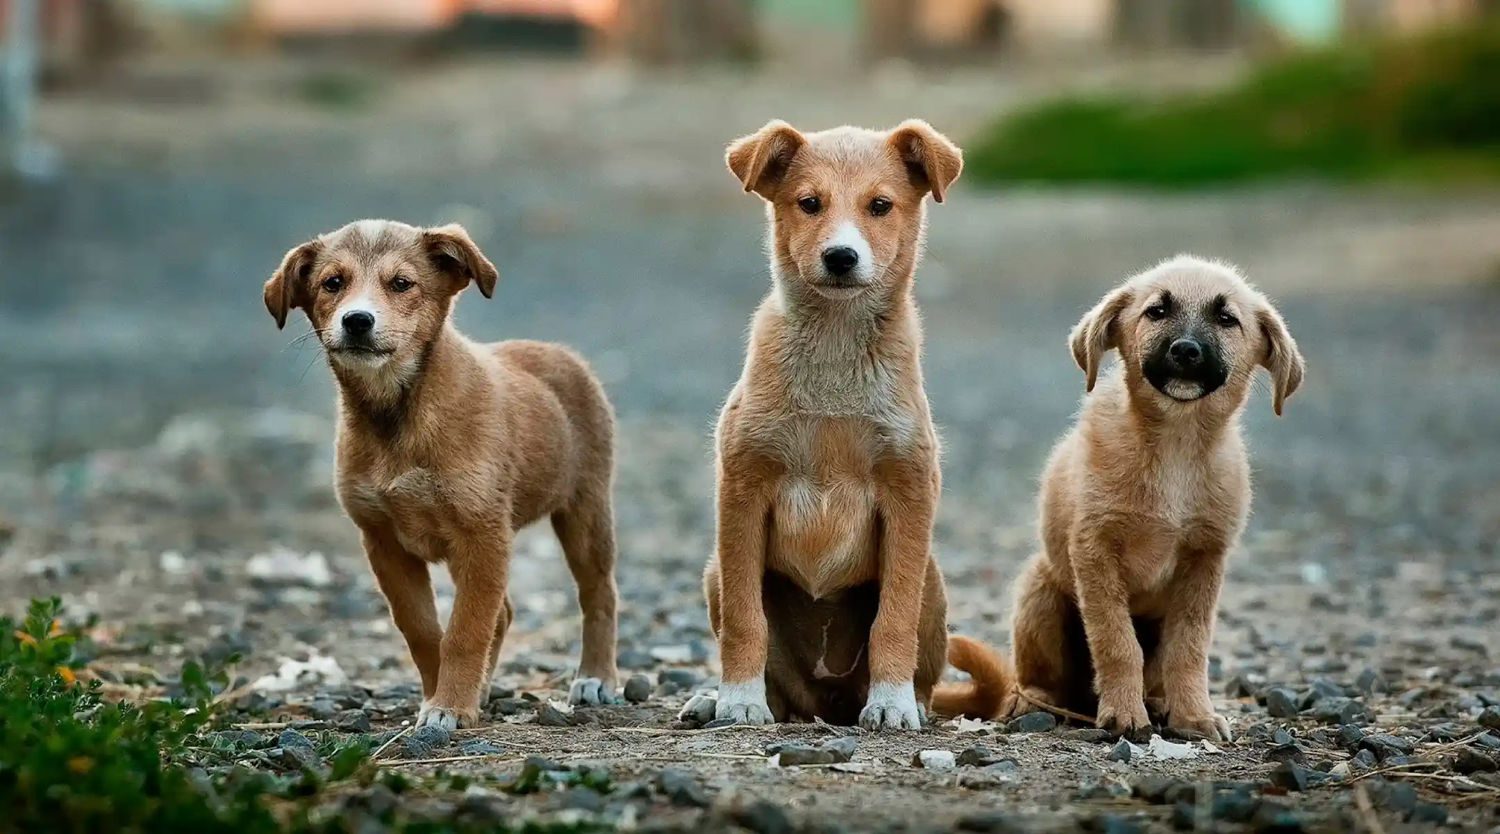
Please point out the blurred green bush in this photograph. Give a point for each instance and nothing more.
(1422, 107)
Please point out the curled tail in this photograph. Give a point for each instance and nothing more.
(991, 680)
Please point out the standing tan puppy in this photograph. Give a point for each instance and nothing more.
(823, 591)
(447, 447)
(1145, 497)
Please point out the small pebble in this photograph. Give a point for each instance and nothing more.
(763, 817)
(681, 788)
(352, 721)
(1282, 703)
(638, 689)
(935, 760)
(1032, 722)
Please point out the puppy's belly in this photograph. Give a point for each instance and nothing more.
(824, 538)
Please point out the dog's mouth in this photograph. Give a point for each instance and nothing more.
(1184, 388)
(367, 353)
(839, 289)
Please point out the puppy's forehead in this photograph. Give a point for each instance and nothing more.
(1193, 279)
(367, 240)
(846, 151)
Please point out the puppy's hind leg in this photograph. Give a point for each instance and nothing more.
(1039, 644)
(587, 533)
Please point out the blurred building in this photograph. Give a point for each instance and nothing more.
(686, 31)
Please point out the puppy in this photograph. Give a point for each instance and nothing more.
(823, 591)
(446, 447)
(1145, 497)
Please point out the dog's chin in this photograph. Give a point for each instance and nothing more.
(840, 292)
(1182, 390)
(361, 358)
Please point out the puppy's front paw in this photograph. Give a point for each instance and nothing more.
(891, 706)
(1210, 725)
(592, 692)
(1122, 715)
(743, 703)
(446, 718)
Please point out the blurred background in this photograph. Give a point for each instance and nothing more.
(160, 156)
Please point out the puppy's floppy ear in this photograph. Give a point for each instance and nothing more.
(454, 253)
(933, 160)
(1282, 357)
(760, 160)
(1098, 331)
(288, 285)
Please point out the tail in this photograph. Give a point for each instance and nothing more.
(992, 680)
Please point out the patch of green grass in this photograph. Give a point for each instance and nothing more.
(72, 761)
(1420, 108)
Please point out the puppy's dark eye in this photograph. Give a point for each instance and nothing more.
(1226, 319)
(1157, 312)
(810, 205)
(333, 283)
(400, 284)
(880, 206)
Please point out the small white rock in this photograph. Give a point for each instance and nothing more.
(1160, 748)
(936, 760)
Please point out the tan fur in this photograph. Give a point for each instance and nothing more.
(446, 447)
(1140, 504)
(823, 584)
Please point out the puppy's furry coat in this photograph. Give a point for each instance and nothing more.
(823, 591)
(447, 447)
(1141, 502)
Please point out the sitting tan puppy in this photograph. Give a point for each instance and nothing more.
(1144, 498)
(447, 447)
(823, 591)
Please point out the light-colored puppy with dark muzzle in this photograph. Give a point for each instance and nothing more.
(1145, 497)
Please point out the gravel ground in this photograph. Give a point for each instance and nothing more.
(166, 462)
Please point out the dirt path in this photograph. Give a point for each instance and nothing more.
(161, 434)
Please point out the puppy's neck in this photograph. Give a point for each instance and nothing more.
(839, 357)
(1199, 425)
(384, 400)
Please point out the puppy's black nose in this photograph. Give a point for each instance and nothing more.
(838, 260)
(1185, 353)
(358, 322)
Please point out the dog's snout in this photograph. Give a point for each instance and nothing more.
(839, 260)
(1186, 353)
(358, 322)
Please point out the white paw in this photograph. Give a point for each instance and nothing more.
(743, 703)
(891, 706)
(591, 692)
(431, 716)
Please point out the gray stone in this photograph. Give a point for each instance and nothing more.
(1281, 702)
(1386, 746)
(1490, 718)
(638, 689)
(292, 738)
(1121, 752)
(763, 817)
(1470, 760)
(681, 788)
(550, 716)
(1032, 722)
(352, 721)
